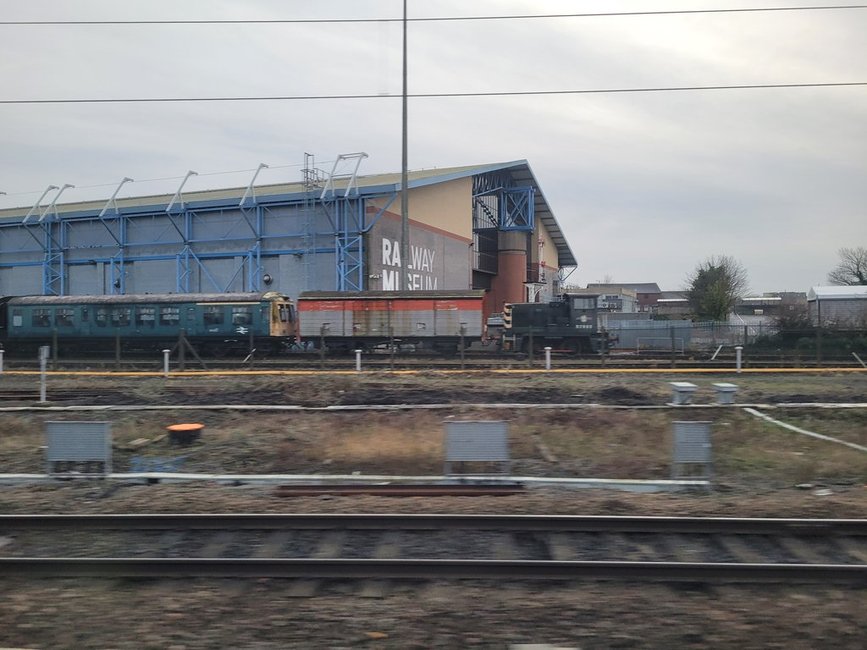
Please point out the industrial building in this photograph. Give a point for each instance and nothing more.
(475, 227)
(838, 306)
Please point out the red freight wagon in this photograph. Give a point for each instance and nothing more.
(365, 319)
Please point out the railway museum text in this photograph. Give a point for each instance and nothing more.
(419, 274)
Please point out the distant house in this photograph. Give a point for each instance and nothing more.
(771, 304)
(672, 304)
(646, 293)
(838, 306)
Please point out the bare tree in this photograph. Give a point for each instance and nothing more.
(852, 268)
(715, 286)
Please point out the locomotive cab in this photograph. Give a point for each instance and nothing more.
(568, 324)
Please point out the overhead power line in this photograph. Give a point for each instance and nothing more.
(301, 21)
(517, 93)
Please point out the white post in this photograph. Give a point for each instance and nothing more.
(166, 354)
(547, 358)
(44, 351)
(738, 349)
(358, 361)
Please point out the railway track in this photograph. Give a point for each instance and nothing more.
(423, 547)
(478, 361)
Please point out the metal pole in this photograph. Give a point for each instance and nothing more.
(530, 347)
(673, 348)
(404, 174)
(182, 350)
(117, 349)
(166, 354)
(463, 334)
(1, 360)
(547, 358)
(322, 347)
(44, 351)
(358, 361)
(54, 347)
(738, 350)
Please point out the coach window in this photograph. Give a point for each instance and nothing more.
(120, 317)
(145, 316)
(101, 317)
(170, 316)
(63, 317)
(213, 315)
(242, 316)
(17, 318)
(41, 318)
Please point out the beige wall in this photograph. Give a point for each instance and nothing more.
(549, 251)
(447, 206)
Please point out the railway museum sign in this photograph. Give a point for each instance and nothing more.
(437, 259)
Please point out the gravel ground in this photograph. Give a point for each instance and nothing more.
(264, 614)
(65, 613)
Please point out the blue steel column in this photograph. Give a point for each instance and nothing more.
(117, 272)
(182, 281)
(53, 262)
(349, 251)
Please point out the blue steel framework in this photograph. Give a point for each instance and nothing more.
(497, 204)
(347, 220)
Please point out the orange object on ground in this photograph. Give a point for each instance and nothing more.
(186, 427)
(186, 433)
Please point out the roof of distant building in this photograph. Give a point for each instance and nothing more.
(637, 287)
(857, 292)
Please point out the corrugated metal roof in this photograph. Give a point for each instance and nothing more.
(638, 287)
(856, 292)
(369, 185)
(142, 298)
(434, 294)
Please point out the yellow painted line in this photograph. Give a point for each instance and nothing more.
(433, 371)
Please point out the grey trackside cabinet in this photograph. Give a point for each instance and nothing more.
(682, 392)
(78, 448)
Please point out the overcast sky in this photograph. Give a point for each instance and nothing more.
(644, 185)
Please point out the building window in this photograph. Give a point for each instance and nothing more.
(213, 315)
(41, 318)
(64, 317)
(170, 316)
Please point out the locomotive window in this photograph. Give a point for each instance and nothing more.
(120, 316)
(170, 316)
(213, 316)
(101, 317)
(145, 316)
(286, 313)
(63, 317)
(583, 303)
(242, 316)
(41, 318)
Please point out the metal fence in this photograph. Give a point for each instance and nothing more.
(684, 336)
